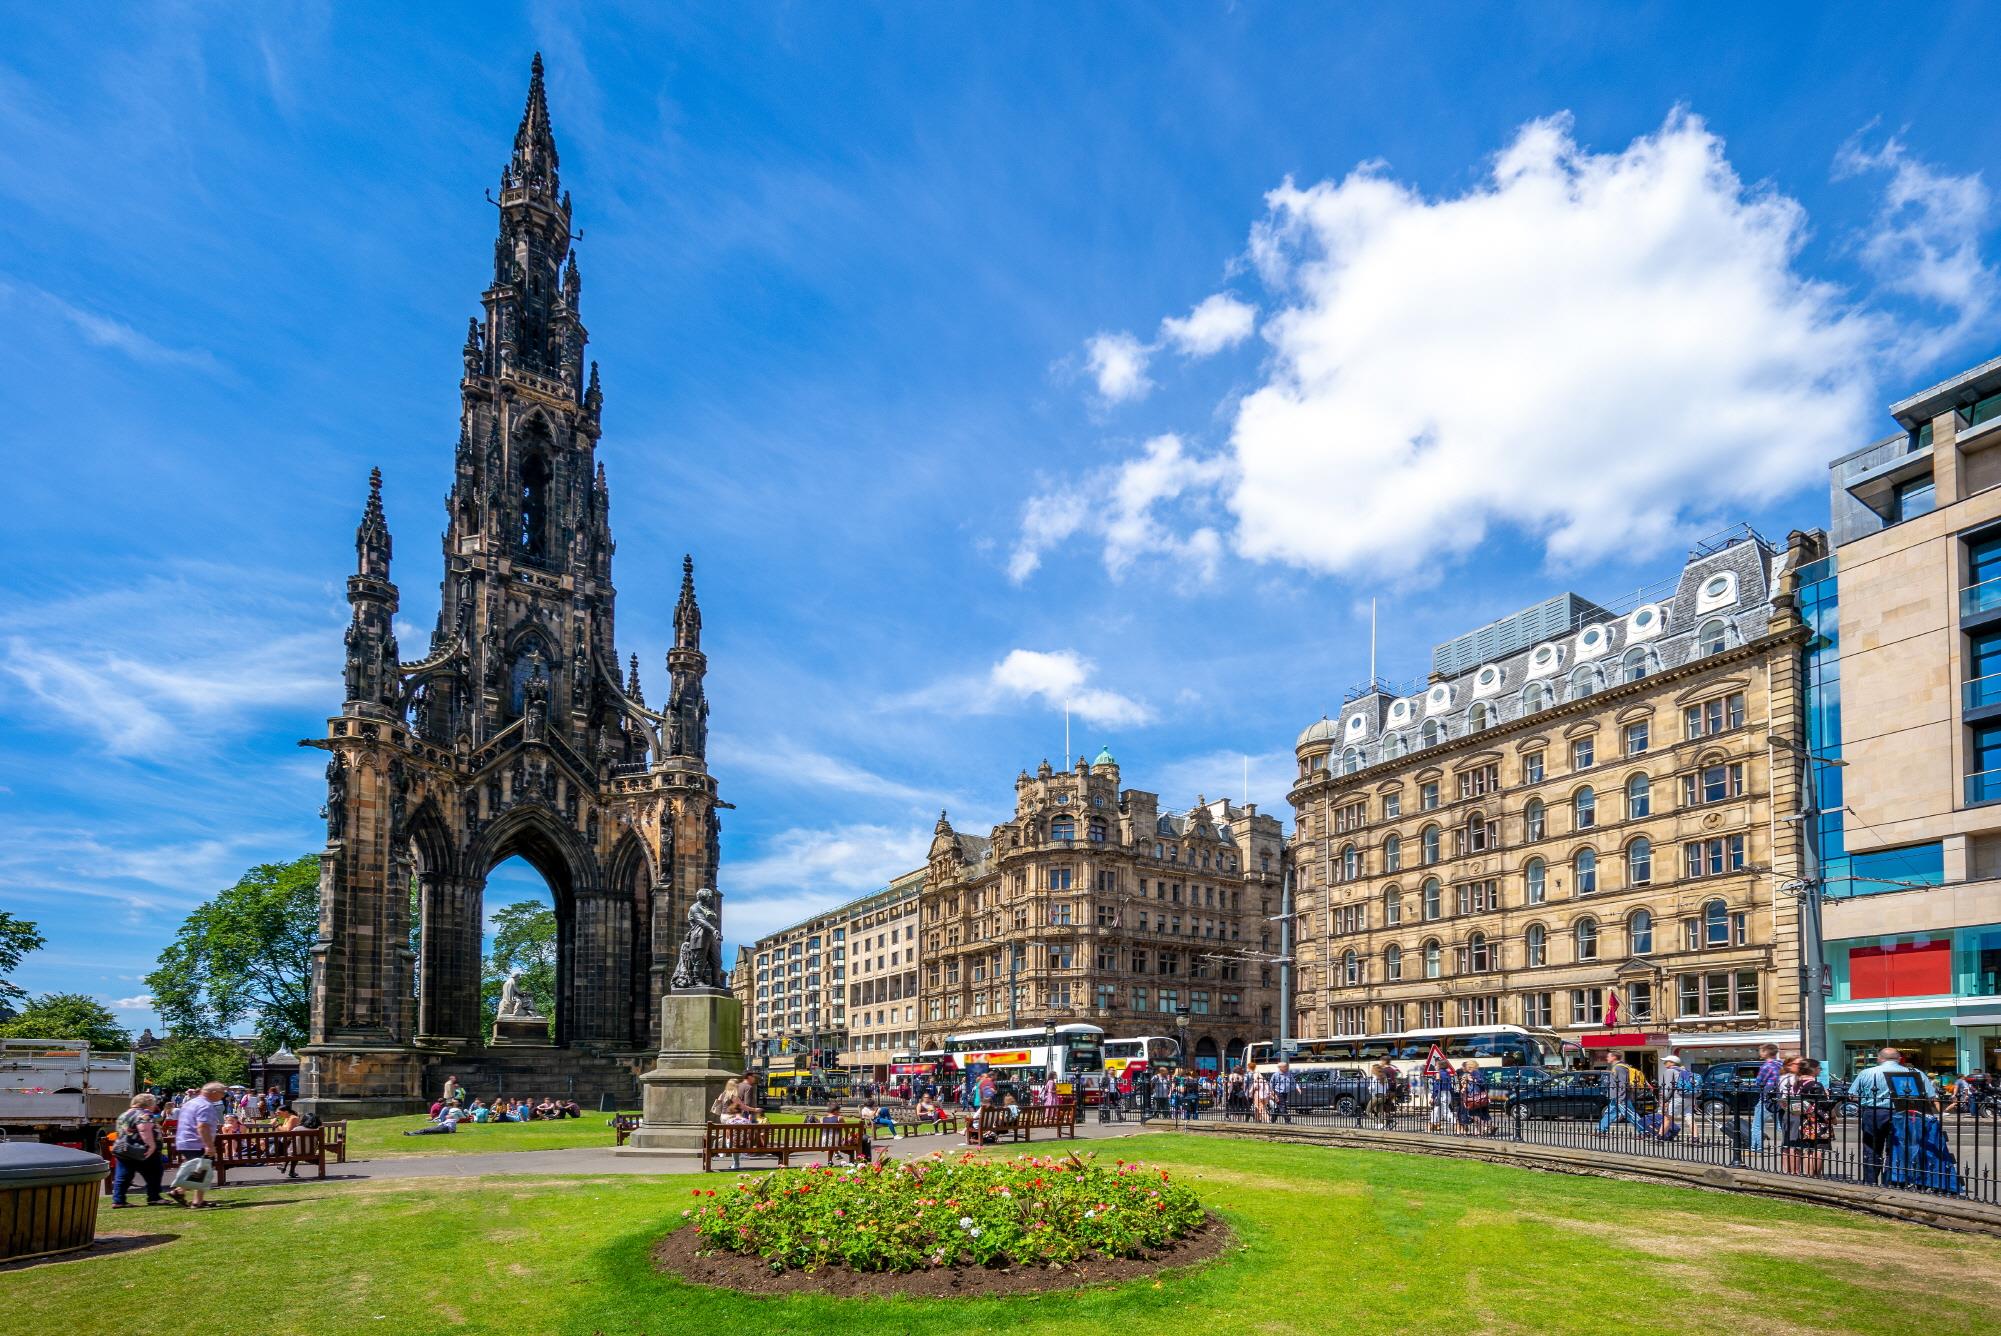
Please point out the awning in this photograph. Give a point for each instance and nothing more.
(1733, 1038)
(1622, 1039)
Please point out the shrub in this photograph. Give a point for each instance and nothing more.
(941, 1211)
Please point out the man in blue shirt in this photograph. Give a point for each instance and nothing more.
(1283, 1083)
(1619, 1095)
(1769, 1072)
(1881, 1093)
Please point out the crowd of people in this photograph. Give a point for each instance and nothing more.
(155, 1129)
(453, 1107)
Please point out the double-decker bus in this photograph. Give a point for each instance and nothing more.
(1026, 1056)
(1486, 1045)
(1146, 1053)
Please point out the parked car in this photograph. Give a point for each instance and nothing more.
(1506, 1083)
(1330, 1089)
(1580, 1095)
(1729, 1090)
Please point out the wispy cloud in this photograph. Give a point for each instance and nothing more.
(788, 764)
(1117, 363)
(1054, 679)
(110, 332)
(802, 871)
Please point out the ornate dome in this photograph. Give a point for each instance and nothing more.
(1326, 731)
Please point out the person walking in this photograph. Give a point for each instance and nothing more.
(1881, 1093)
(1618, 1095)
(1283, 1083)
(1474, 1101)
(1770, 1069)
(1809, 1123)
(1678, 1087)
(1438, 1085)
(194, 1137)
(1261, 1097)
(1383, 1092)
(136, 1151)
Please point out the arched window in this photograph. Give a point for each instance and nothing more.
(1479, 956)
(1351, 760)
(1433, 896)
(1535, 944)
(1533, 820)
(1062, 829)
(1584, 808)
(1431, 734)
(1716, 924)
(1640, 932)
(1640, 863)
(1479, 717)
(1584, 681)
(1096, 830)
(1430, 842)
(535, 477)
(1639, 797)
(1392, 907)
(1584, 868)
(1351, 968)
(1638, 663)
(1351, 862)
(1586, 933)
(1393, 963)
(1434, 960)
(1392, 854)
(1535, 697)
(1395, 745)
(1477, 835)
(1713, 638)
(1536, 877)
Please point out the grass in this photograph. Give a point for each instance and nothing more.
(382, 1138)
(1353, 1241)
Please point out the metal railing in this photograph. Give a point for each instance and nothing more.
(1983, 786)
(1980, 597)
(1980, 692)
(1950, 1146)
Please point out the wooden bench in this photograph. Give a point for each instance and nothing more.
(245, 1150)
(909, 1123)
(991, 1124)
(624, 1124)
(784, 1140)
(333, 1136)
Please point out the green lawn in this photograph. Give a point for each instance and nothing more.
(382, 1138)
(1334, 1240)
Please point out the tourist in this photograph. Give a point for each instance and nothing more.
(1283, 1083)
(1382, 1092)
(480, 1112)
(1678, 1090)
(1618, 1095)
(1261, 1097)
(1474, 1100)
(136, 1149)
(547, 1109)
(454, 1093)
(1805, 1109)
(1880, 1093)
(232, 1123)
(1438, 1084)
(448, 1120)
(1765, 1106)
(884, 1122)
(194, 1138)
(725, 1102)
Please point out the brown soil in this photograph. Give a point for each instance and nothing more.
(676, 1255)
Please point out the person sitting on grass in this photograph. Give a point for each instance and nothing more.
(447, 1121)
(480, 1113)
(571, 1109)
(546, 1109)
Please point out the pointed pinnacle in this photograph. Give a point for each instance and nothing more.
(688, 574)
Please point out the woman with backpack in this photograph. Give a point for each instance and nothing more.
(1678, 1090)
(1474, 1101)
(136, 1152)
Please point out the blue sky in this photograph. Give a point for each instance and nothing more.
(984, 357)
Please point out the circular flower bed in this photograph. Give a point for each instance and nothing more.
(941, 1212)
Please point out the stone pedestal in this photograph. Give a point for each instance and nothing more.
(701, 1051)
(524, 1031)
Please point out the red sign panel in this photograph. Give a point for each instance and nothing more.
(1622, 1039)
(1903, 969)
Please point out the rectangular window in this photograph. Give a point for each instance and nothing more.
(1059, 913)
(1532, 768)
(1536, 1010)
(1427, 795)
(1393, 1017)
(1714, 716)
(1392, 806)
(1170, 999)
(1636, 738)
(1477, 897)
(1479, 1010)
(1583, 753)
(1587, 1006)
(1913, 497)
(1198, 1001)
(1430, 1015)
(1059, 879)
(1640, 1001)
(1480, 782)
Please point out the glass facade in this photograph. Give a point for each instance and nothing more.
(1820, 609)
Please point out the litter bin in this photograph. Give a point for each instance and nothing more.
(48, 1198)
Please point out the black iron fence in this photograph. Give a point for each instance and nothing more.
(1944, 1146)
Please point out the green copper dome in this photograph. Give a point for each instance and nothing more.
(1104, 757)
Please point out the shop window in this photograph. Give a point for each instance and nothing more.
(1900, 969)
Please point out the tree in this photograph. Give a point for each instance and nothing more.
(185, 1062)
(17, 938)
(68, 1016)
(246, 954)
(524, 938)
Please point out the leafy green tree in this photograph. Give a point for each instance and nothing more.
(17, 938)
(68, 1016)
(524, 938)
(246, 954)
(184, 1062)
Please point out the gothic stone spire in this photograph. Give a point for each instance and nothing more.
(370, 673)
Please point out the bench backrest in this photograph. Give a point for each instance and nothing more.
(787, 1136)
(301, 1143)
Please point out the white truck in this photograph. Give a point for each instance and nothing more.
(62, 1090)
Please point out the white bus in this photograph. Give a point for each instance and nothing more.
(1486, 1045)
(1145, 1053)
(1026, 1054)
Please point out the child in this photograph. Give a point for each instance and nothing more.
(885, 1123)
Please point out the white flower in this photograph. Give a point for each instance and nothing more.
(965, 1222)
(975, 1233)
(1090, 1215)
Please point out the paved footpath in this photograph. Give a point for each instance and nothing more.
(596, 1160)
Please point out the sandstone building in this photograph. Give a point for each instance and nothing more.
(1094, 905)
(1577, 824)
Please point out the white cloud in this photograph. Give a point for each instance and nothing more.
(802, 871)
(1925, 240)
(143, 1002)
(103, 331)
(1053, 678)
(812, 769)
(1123, 504)
(1217, 322)
(1603, 350)
(1117, 363)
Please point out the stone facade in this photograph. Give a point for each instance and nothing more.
(514, 733)
(1588, 825)
(1094, 905)
(881, 979)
